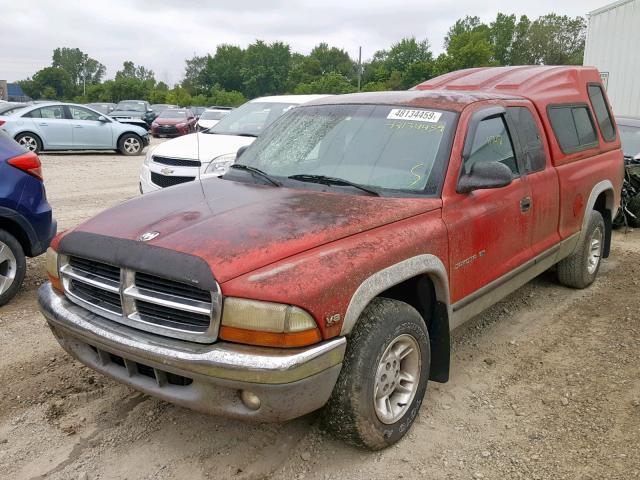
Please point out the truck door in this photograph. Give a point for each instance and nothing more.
(533, 152)
(489, 229)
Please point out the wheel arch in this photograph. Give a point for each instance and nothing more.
(19, 228)
(422, 282)
(35, 134)
(601, 199)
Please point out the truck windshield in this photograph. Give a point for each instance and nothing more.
(250, 119)
(380, 146)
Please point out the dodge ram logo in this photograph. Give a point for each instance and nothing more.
(145, 237)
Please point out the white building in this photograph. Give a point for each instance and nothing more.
(613, 47)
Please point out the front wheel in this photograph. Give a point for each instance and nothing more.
(383, 378)
(130, 144)
(580, 269)
(13, 266)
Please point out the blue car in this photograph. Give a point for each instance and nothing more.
(26, 223)
(67, 126)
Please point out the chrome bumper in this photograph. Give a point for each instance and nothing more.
(289, 382)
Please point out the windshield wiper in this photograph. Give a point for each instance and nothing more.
(253, 135)
(255, 171)
(325, 180)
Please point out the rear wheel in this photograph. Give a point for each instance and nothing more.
(13, 266)
(383, 378)
(30, 141)
(580, 269)
(130, 144)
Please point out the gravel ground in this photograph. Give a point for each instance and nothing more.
(544, 386)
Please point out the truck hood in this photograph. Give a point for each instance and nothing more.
(239, 227)
(202, 146)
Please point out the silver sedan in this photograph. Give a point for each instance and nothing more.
(67, 126)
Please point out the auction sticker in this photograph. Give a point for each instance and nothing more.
(415, 115)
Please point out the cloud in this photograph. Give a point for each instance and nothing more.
(161, 35)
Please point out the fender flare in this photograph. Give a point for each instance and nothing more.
(600, 187)
(392, 275)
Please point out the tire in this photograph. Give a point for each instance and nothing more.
(30, 141)
(352, 413)
(13, 266)
(130, 144)
(580, 269)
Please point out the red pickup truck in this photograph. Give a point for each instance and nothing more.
(329, 265)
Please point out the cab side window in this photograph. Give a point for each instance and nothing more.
(492, 144)
(526, 130)
(53, 112)
(78, 113)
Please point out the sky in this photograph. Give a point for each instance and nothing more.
(161, 34)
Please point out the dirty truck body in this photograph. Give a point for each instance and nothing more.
(244, 298)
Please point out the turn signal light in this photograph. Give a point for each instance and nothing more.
(51, 264)
(268, 324)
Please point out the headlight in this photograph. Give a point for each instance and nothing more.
(221, 164)
(269, 324)
(51, 264)
(181, 125)
(147, 158)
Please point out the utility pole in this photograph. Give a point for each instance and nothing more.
(359, 67)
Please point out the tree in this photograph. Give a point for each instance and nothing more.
(501, 35)
(219, 96)
(331, 82)
(224, 68)
(332, 59)
(266, 68)
(132, 71)
(79, 66)
(51, 83)
(406, 63)
(520, 49)
(557, 40)
(468, 44)
(194, 67)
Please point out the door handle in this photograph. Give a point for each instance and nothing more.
(525, 204)
(43, 124)
(77, 126)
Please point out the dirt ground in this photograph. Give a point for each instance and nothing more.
(544, 386)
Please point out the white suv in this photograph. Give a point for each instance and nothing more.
(211, 152)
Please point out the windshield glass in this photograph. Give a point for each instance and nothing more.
(134, 106)
(630, 138)
(380, 146)
(170, 113)
(212, 115)
(250, 119)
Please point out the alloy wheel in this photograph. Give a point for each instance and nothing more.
(132, 145)
(595, 251)
(29, 143)
(397, 379)
(8, 267)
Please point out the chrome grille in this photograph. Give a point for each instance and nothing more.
(141, 300)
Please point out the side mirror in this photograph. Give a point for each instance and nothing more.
(485, 175)
(103, 119)
(241, 151)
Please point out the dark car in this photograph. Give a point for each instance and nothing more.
(105, 108)
(174, 122)
(26, 223)
(134, 112)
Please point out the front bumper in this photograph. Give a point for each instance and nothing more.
(207, 378)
